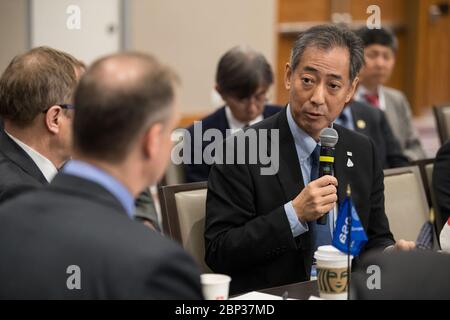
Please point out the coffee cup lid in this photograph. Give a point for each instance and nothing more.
(329, 253)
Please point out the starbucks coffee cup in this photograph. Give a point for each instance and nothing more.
(332, 273)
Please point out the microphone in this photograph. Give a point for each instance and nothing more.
(328, 139)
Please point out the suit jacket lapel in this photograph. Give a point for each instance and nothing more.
(340, 166)
(359, 116)
(289, 173)
(390, 111)
(17, 155)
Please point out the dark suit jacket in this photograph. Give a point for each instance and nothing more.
(74, 221)
(17, 169)
(372, 122)
(247, 233)
(216, 120)
(416, 275)
(441, 183)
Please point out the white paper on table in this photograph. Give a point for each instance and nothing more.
(255, 295)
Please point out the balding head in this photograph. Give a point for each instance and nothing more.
(118, 98)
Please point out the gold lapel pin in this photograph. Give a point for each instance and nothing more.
(361, 124)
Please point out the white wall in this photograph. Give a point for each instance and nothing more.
(13, 30)
(191, 35)
(79, 27)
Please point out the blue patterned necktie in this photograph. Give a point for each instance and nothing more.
(322, 234)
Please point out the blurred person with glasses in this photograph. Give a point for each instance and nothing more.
(243, 80)
(36, 106)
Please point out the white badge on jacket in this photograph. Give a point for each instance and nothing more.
(349, 160)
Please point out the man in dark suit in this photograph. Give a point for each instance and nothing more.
(441, 183)
(243, 78)
(261, 229)
(380, 49)
(372, 122)
(76, 238)
(36, 138)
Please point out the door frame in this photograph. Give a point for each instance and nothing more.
(124, 24)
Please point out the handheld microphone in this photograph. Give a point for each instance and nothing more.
(328, 139)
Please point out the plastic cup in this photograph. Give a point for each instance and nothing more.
(215, 286)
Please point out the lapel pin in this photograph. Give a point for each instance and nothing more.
(350, 163)
(361, 124)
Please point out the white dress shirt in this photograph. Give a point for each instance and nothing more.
(362, 91)
(235, 124)
(46, 166)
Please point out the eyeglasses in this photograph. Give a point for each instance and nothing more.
(63, 106)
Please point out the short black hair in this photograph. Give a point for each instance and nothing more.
(110, 115)
(241, 71)
(326, 37)
(378, 36)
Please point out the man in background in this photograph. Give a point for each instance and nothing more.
(380, 48)
(31, 138)
(127, 108)
(36, 105)
(369, 121)
(243, 79)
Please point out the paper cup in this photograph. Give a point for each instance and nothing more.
(215, 286)
(332, 273)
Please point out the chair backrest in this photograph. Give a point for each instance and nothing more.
(174, 174)
(429, 173)
(438, 218)
(405, 202)
(183, 209)
(442, 117)
(426, 172)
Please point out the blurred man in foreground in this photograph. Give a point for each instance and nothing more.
(76, 238)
